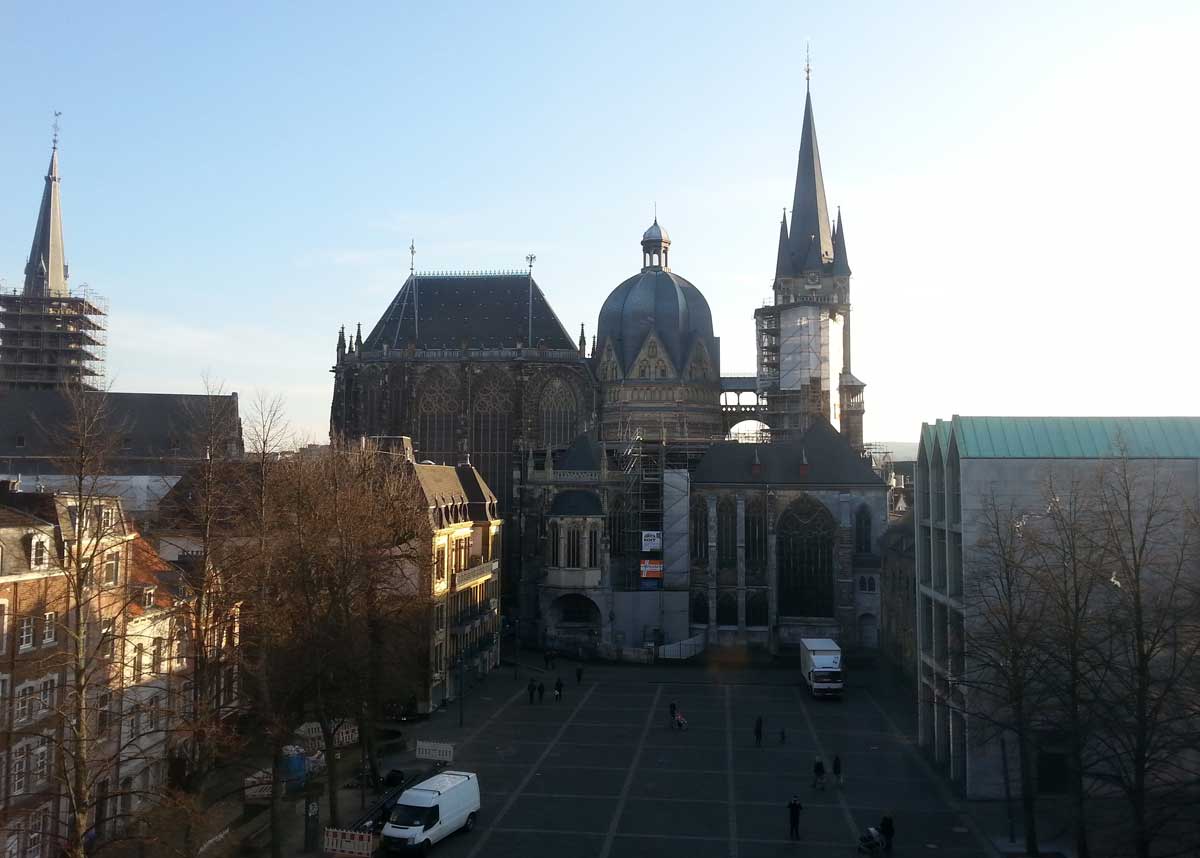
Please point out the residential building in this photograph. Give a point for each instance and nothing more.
(967, 466)
(898, 596)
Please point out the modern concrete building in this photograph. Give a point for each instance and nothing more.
(966, 464)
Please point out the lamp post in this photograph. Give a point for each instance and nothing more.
(517, 649)
(462, 687)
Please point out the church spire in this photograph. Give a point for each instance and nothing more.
(841, 262)
(358, 339)
(582, 343)
(811, 243)
(783, 258)
(46, 270)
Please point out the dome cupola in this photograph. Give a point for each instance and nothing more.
(656, 244)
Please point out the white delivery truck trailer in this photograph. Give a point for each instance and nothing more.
(431, 811)
(822, 663)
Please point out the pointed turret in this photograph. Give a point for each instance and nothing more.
(810, 242)
(358, 339)
(341, 344)
(841, 262)
(46, 269)
(582, 343)
(783, 257)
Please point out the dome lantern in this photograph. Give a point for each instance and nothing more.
(656, 244)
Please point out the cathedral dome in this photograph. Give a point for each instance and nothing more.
(658, 302)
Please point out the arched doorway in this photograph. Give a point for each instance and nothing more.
(574, 623)
(805, 539)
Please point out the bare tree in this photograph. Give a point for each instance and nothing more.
(1148, 728)
(1006, 657)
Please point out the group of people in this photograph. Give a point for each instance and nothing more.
(538, 688)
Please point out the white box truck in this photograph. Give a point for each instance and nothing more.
(432, 810)
(822, 664)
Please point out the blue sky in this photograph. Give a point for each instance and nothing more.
(1018, 181)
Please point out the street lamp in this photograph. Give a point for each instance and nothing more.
(517, 649)
(462, 686)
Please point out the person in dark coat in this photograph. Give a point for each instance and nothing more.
(532, 689)
(888, 829)
(671, 710)
(579, 675)
(819, 773)
(558, 687)
(541, 691)
(794, 807)
(837, 769)
(758, 731)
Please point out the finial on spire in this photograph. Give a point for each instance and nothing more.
(807, 64)
(412, 256)
(54, 126)
(656, 211)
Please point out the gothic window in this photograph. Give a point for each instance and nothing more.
(558, 414)
(862, 583)
(699, 607)
(618, 537)
(553, 537)
(661, 369)
(805, 546)
(593, 548)
(574, 540)
(871, 584)
(437, 416)
(862, 530)
(491, 433)
(652, 350)
(756, 535)
(699, 531)
(727, 533)
(727, 609)
(643, 369)
(756, 608)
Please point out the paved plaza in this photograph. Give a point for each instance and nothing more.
(602, 774)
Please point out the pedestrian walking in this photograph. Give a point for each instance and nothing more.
(782, 736)
(671, 710)
(758, 732)
(818, 773)
(579, 675)
(541, 691)
(532, 690)
(558, 687)
(794, 807)
(888, 829)
(837, 770)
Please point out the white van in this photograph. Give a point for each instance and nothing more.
(432, 810)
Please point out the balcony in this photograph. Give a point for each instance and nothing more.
(572, 579)
(471, 574)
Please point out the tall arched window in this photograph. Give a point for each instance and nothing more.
(552, 535)
(438, 403)
(805, 545)
(699, 531)
(558, 414)
(727, 533)
(491, 433)
(862, 530)
(756, 535)
(593, 548)
(574, 538)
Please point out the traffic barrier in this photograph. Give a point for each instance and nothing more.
(339, 841)
(311, 739)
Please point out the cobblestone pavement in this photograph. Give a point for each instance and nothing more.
(601, 773)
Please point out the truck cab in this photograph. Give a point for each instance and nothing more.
(822, 666)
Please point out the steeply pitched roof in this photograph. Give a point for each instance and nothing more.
(46, 269)
(820, 457)
(841, 262)
(810, 239)
(1070, 437)
(482, 311)
(583, 455)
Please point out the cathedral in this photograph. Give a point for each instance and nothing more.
(633, 517)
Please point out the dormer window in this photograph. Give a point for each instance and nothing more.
(148, 598)
(40, 553)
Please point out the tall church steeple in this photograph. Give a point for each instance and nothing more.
(46, 269)
(783, 256)
(811, 244)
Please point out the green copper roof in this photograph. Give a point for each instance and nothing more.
(1071, 437)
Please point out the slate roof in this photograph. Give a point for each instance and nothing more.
(576, 502)
(485, 311)
(1069, 437)
(145, 426)
(583, 455)
(830, 462)
(46, 268)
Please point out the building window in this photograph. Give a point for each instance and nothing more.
(806, 565)
(41, 760)
(126, 801)
(24, 704)
(25, 632)
(727, 534)
(593, 548)
(574, 538)
(871, 584)
(135, 722)
(50, 627)
(139, 666)
(862, 530)
(112, 568)
(148, 598)
(699, 532)
(3, 626)
(157, 657)
(553, 531)
(152, 713)
(18, 772)
(39, 553)
(107, 637)
(48, 695)
(103, 707)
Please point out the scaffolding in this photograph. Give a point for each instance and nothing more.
(49, 341)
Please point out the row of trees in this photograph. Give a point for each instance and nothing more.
(295, 574)
(1082, 637)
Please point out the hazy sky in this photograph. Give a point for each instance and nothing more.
(1019, 182)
